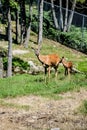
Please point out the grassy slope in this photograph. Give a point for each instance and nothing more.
(34, 84)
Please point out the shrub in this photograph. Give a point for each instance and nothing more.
(73, 39)
(16, 62)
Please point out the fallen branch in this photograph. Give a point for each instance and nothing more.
(77, 71)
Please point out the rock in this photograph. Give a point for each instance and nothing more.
(35, 69)
(19, 70)
(55, 128)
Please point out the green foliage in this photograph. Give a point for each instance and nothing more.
(16, 62)
(74, 39)
(34, 25)
(13, 4)
(71, 39)
(47, 23)
(5, 63)
(19, 62)
(52, 34)
(81, 1)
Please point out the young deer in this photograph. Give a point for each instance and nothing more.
(48, 61)
(68, 65)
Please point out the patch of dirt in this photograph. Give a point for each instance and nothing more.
(40, 113)
(18, 51)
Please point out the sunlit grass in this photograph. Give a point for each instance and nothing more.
(12, 105)
(26, 84)
(83, 108)
(34, 84)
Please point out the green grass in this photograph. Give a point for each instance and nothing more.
(26, 84)
(82, 66)
(34, 84)
(83, 108)
(13, 105)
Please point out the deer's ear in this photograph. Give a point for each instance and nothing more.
(33, 48)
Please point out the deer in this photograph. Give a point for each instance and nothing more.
(68, 65)
(48, 61)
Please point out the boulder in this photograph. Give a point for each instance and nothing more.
(35, 69)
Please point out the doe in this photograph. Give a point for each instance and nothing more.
(48, 61)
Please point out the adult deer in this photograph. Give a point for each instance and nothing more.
(68, 65)
(48, 61)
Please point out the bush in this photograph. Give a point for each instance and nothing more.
(72, 39)
(16, 62)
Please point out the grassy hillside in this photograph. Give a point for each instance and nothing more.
(26, 84)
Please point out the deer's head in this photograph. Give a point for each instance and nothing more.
(37, 51)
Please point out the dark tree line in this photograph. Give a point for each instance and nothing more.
(22, 30)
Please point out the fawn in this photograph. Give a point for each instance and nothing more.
(68, 65)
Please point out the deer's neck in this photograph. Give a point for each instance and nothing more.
(40, 58)
(64, 63)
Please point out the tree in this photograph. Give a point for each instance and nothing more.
(9, 67)
(68, 19)
(71, 15)
(40, 17)
(23, 20)
(61, 16)
(29, 26)
(54, 15)
(1, 67)
(17, 26)
(66, 16)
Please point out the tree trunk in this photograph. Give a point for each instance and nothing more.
(54, 15)
(61, 15)
(17, 27)
(66, 16)
(40, 17)
(29, 27)
(71, 15)
(1, 67)
(9, 68)
(23, 20)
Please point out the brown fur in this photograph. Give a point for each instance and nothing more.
(48, 61)
(68, 65)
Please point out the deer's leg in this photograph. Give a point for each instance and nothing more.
(49, 72)
(45, 68)
(56, 71)
(69, 72)
(66, 71)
